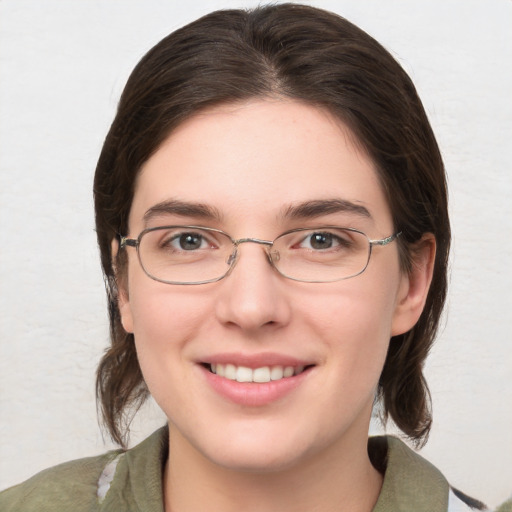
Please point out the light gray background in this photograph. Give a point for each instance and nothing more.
(62, 67)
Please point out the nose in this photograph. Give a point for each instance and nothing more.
(254, 295)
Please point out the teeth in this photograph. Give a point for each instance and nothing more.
(276, 373)
(288, 371)
(263, 374)
(230, 371)
(243, 374)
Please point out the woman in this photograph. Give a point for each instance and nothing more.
(272, 218)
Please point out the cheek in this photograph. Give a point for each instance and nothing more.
(162, 317)
(352, 309)
(159, 311)
(164, 324)
(354, 322)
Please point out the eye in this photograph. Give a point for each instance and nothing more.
(184, 241)
(188, 242)
(322, 240)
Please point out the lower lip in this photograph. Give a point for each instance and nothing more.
(253, 394)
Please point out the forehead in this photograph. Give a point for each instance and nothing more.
(257, 159)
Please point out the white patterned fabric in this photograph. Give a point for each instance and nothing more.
(106, 477)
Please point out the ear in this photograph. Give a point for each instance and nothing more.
(123, 301)
(414, 286)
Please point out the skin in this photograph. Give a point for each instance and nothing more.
(250, 162)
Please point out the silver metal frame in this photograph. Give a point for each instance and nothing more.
(231, 262)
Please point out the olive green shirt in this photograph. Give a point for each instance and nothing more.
(131, 481)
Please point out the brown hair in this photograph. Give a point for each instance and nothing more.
(290, 51)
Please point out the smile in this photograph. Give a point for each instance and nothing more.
(257, 375)
(257, 380)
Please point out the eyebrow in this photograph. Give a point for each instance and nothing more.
(304, 210)
(182, 209)
(319, 207)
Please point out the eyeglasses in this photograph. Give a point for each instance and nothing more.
(200, 255)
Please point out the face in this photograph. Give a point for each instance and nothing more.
(251, 165)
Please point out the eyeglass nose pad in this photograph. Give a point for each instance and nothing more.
(232, 257)
(274, 256)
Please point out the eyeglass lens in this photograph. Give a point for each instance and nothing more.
(184, 254)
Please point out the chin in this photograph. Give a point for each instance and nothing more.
(260, 451)
(257, 460)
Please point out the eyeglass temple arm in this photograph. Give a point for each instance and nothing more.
(124, 241)
(387, 240)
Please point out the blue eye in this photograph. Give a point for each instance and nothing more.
(188, 241)
(323, 240)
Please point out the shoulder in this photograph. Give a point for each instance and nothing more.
(413, 483)
(69, 486)
(116, 480)
(505, 507)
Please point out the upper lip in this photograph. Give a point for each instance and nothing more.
(256, 360)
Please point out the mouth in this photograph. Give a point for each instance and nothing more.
(259, 375)
(255, 380)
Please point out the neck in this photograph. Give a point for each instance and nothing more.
(340, 480)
